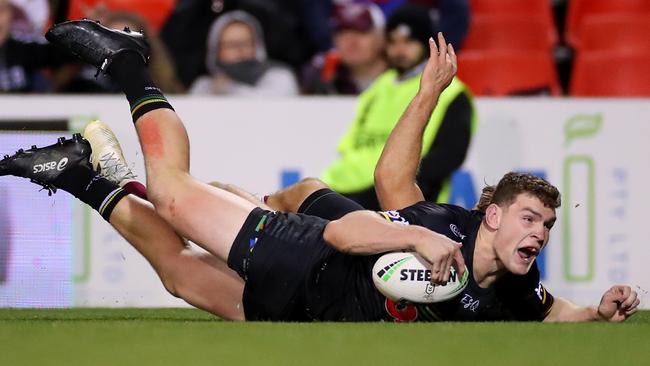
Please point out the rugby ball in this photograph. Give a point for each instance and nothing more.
(406, 276)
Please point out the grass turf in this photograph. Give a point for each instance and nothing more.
(190, 337)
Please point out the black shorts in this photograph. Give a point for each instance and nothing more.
(327, 204)
(292, 274)
(277, 254)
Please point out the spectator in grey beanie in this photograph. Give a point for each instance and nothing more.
(237, 62)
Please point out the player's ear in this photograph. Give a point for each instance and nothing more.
(493, 216)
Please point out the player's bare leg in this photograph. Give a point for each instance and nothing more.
(291, 198)
(200, 279)
(238, 191)
(208, 216)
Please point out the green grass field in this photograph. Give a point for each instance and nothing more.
(190, 337)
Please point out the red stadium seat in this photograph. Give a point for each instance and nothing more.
(579, 9)
(509, 32)
(155, 12)
(501, 73)
(527, 8)
(604, 73)
(614, 32)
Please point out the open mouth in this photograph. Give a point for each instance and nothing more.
(527, 253)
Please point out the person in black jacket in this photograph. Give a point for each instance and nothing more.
(22, 59)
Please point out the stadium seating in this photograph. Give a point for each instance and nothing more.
(503, 72)
(525, 8)
(603, 73)
(580, 9)
(155, 12)
(510, 32)
(614, 32)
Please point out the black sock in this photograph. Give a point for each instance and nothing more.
(94, 190)
(130, 72)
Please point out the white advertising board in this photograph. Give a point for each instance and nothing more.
(595, 151)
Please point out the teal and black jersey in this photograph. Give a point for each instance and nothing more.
(512, 297)
(292, 274)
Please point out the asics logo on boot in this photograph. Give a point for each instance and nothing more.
(39, 168)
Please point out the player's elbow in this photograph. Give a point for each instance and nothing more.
(385, 178)
(333, 235)
(383, 182)
(381, 172)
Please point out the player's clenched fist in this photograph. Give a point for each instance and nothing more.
(618, 303)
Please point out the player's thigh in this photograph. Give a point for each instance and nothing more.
(206, 215)
(206, 282)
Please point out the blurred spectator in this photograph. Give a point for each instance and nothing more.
(237, 63)
(446, 139)
(185, 31)
(22, 59)
(30, 17)
(452, 16)
(357, 58)
(82, 79)
(161, 65)
(154, 12)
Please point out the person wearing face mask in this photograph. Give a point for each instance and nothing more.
(237, 63)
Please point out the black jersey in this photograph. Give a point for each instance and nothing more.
(512, 297)
(292, 274)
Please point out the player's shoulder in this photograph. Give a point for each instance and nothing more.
(455, 221)
(442, 210)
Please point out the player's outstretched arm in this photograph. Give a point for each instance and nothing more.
(396, 171)
(617, 304)
(366, 233)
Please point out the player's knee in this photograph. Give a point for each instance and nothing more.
(311, 184)
(165, 206)
(163, 193)
(306, 187)
(172, 274)
(171, 285)
(166, 203)
(292, 197)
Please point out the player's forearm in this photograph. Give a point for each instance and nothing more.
(366, 233)
(566, 311)
(399, 161)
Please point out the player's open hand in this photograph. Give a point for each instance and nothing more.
(442, 253)
(618, 304)
(441, 67)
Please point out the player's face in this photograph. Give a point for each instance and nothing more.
(237, 44)
(523, 232)
(403, 52)
(357, 48)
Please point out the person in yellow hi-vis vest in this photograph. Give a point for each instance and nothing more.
(446, 139)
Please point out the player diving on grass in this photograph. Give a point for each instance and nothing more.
(264, 265)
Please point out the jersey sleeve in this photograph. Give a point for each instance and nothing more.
(525, 297)
(427, 213)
